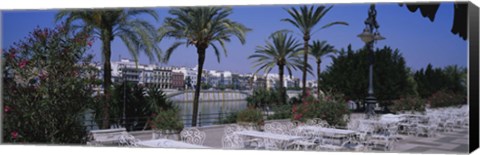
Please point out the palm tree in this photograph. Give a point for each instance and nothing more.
(305, 20)
(201, 27)
(282, 52)
(137, 34)
(320, 49)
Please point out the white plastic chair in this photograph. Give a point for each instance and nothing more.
(192, 136)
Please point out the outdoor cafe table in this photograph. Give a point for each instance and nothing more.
(168, 143)
(392, 117)
(330, 131)
(284, 139)
(380, 123)
(415, 118)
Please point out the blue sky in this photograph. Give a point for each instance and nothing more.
(419, 40)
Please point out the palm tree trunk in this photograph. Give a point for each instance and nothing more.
(107, 75)
(306, 38)
(201, 60)
(282, 88)
(318, 79)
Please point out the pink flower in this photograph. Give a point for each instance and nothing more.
(14, 134)
(297, 116)
(7, 109)
(90, 43)
(23, 63)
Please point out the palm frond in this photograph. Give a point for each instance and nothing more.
(334, 23)
(202, 27)
(170, 50)
(217, 53)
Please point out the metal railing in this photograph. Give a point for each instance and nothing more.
(141, 123)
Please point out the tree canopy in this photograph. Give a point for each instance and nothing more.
(348, 74)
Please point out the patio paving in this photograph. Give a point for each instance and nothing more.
(447, 142)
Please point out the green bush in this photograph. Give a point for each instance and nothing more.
(444, 98)
(250, 115)
(409, 103)
(231, 118)
(49, 85)
(262, 98)
(167, 120)
(281, 112)
(330, 109)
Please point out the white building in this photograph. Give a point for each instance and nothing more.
(310, 84)
(219, 78)
(189, 74)
(152, 76)
(126, 69)
(274, 79)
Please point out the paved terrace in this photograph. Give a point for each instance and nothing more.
(455, 142)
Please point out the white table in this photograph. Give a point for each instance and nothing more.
(392, 117)
(330, 131)
(335, 136)
(168, 143)
(379, 122)
(266, 136)
(108, 136)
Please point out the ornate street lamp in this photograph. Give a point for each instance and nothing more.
(124, 119)
(370, 35)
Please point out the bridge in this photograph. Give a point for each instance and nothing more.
(215, 95)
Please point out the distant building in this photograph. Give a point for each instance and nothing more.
(214, 78)
(290, 82)
(189, 76)
(125, 70)
(157, 77)
(177, 80)
(162, 77)
(241, 81)
(219, 79)
(310, 84)
(151, 76)
(273, 81)
(259, 82)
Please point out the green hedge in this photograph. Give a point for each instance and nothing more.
(444, 98)
(410, 103)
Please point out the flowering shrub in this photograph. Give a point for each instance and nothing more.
(410, 103)
(444, 98)
(331, 109)
(47, 80)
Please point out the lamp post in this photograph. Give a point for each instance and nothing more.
(124, 94)
(370, 35)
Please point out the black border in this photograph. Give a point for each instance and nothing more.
(473, 39)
